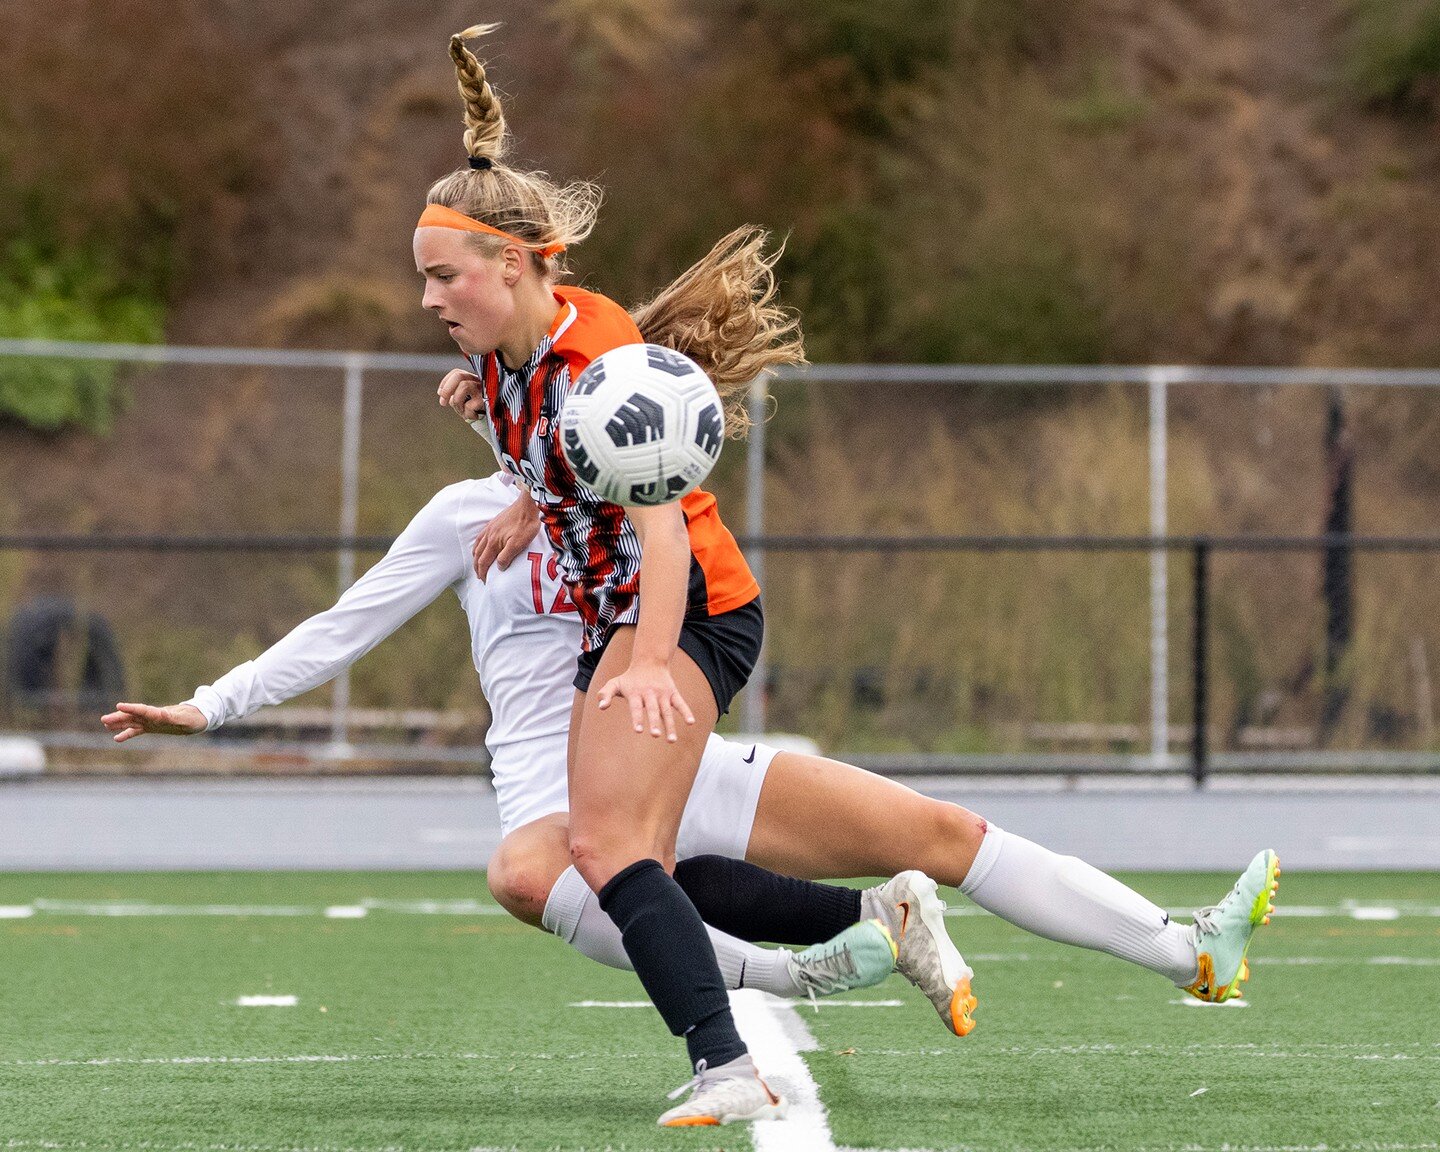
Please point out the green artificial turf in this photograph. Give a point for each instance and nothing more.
(454, 1031)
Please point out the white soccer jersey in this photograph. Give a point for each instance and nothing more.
(521, 621)
(524, 635)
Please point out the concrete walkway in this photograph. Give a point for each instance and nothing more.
(430, 823)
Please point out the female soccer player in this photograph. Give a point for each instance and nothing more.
(810, 816)
(487, 245)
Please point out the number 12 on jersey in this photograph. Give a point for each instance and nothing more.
(562, 601)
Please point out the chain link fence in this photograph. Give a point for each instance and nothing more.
(966, 568)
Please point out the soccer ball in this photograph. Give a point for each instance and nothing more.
(643, 425)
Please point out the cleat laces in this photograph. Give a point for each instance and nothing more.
(689, 1085)
(830, 970)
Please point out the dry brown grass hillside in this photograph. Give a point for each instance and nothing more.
(1104, 181)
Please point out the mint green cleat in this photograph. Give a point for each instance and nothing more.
(861, 956)
(1223, 932)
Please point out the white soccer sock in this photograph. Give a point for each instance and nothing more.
(573, 913)
(1063, 898)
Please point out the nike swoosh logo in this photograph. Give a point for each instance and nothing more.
(751, 758)
(905, 916)
(1166, 921)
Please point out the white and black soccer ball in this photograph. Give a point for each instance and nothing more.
(643, 425)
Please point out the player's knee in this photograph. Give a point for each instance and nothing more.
(521, 883)
(594, 859)
(600, 858)
(960, 831)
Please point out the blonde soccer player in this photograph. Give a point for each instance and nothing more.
(655, 670)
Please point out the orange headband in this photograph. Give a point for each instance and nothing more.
(436, 216)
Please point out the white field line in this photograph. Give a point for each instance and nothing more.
(776, 1035)
(1191, 1002)
(267, 1001)
(817, 1004)
(1192, 1146)
(191, 1146)
(1367, 1052)
(337, 1058)
(1385, 1050)
(1345, 910)
(610, 1004)
(140, 908)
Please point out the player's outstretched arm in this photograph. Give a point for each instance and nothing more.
(131, 720)
(425, 559)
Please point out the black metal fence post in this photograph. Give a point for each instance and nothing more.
(1200, 671)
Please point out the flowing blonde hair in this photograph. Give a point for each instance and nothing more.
(721, 312)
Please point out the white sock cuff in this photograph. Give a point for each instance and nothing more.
(990, 846)
(565, 904)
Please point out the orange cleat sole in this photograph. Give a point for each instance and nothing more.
(962, 1008)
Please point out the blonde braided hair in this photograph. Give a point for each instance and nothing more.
(527, 205)
(484, 118)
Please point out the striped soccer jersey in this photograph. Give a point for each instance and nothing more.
(599, 552)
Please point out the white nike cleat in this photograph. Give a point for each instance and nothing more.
(910, 906)
(731, 1094)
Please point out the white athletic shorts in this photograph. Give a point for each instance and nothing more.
(529, 780)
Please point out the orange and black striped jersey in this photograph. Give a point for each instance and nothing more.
(599, 552)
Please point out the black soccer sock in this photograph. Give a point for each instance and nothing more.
(672, 954)
(752, 903)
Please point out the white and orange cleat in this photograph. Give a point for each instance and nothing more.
(910, 906)
(730, 1094)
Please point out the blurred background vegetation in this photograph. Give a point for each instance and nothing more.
(955, 180)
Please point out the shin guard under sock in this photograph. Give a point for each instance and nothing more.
(747, 901)
(666, 942)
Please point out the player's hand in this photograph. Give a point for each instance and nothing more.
(654, 699)
(506, 536)
(130, 720)
(464, 392)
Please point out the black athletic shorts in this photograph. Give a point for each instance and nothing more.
(725, 647)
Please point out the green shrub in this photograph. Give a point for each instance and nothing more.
(1394, 51)
(50, 293)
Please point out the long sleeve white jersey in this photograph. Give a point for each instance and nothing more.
(524, 634)
(524, 630)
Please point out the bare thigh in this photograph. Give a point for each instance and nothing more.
(821, 819)
(628, 789)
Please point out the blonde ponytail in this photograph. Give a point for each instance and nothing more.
(722, 313)
(527, 205)
(484, 119)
